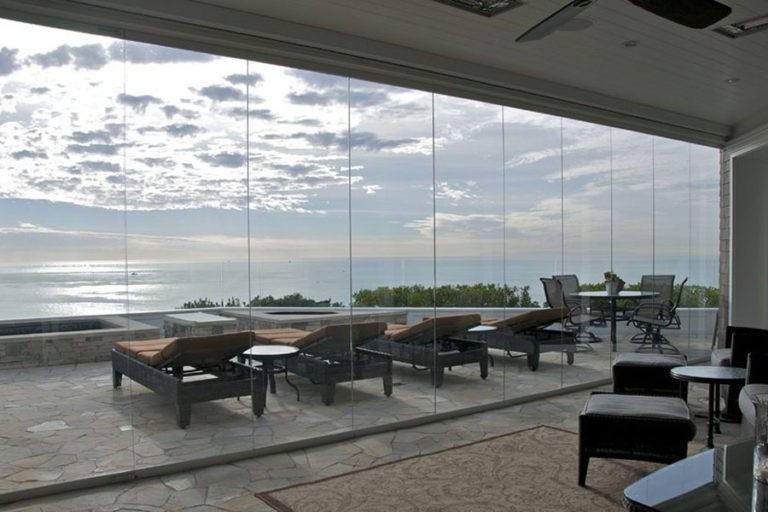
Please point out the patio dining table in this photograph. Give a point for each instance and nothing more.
(612, 298)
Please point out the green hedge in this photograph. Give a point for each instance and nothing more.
(478, 295)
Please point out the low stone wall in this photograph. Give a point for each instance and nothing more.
(308, 319)
(58, 348)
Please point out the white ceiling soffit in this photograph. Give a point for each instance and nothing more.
(671, 84)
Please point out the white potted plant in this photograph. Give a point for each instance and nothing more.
(613, 283)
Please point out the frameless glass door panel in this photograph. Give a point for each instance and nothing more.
(187, 246)
(392, 246)
(533, 245)
(702, 298)
(62, 272)
(633, 221)
(672, 197)
(469, 242)
(299, 221)
(588, 245)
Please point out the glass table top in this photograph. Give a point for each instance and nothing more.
(718, 480)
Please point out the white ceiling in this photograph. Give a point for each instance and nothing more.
(673, 68)
(675, 77)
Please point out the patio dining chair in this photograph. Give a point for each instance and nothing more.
(653, 315)
(571, 286)
(577, 319)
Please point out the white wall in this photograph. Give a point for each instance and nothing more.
(750, 239)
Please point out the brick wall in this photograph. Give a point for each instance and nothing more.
(725, 240)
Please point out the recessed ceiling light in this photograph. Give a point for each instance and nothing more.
(731, 81)
(631, 43)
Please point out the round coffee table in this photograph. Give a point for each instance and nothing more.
(267, 355)
(714, 376)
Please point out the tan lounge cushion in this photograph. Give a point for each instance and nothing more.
(188, 351)
(440, 326)
(531, 319)
(145, 350)
(337, 336)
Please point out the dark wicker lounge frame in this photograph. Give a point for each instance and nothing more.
(332, 354)
(527, 334)
(437, 347)
(230, 380)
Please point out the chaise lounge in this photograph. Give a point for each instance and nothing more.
(165, 365)
(530, 334)
(415, 344)
(325, 357)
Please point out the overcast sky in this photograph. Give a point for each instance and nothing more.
(93, 127)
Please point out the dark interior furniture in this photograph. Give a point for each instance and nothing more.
(739, 342)
(434, 344)
(756, 383)
(653, 315)
(713, 376)
(531, 334)
(577, 319)
(333, 354)
(718, 480)
(636, 427)
(648, 374)
(166, 365)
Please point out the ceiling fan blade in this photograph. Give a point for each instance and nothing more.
(691, 13)
(552, 22)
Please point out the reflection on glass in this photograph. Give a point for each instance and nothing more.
(632, 218)
(62, 273)
(392, 241)
(469, 240)
(299, 221)
(533, 241)
(588, 243)
(186, 228)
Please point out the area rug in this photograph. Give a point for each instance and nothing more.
(529, 470)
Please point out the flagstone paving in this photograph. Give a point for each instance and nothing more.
(65, 423)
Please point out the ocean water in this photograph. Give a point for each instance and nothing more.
(87, 288)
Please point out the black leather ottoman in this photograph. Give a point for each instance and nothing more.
(648, 374)
(636, 427)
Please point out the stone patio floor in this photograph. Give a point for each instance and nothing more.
(65, 423)
(231, 487)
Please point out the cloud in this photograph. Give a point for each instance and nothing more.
(371, 189)
(258, 113)
(249, 79)
(8, 62)
(224, 159)
(157, 162)
(339, 96)
(99, 166)
(39, 90)
(363, 140)
(182, 130)
(89, 56)
(222, 93)
(469, 226)
(142, 53)
(138, 103)
(455, 194)
(92, 136)
(172, 110)
(26, 153)
(98, 149)
(319, 80)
